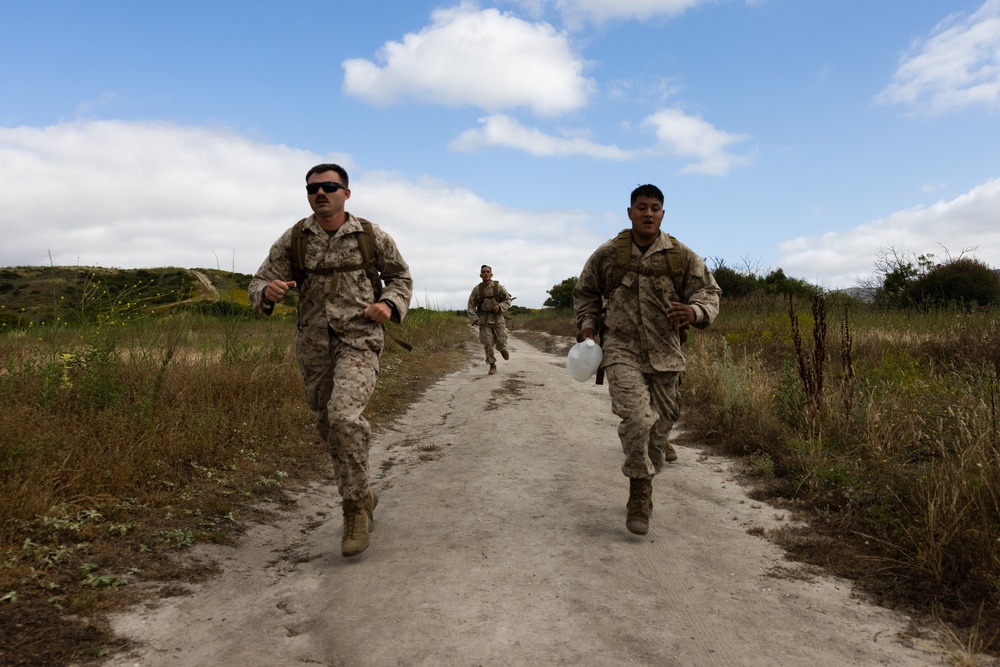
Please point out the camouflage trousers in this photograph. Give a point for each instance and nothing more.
(648, 405)
(493, 335)
(337, 390)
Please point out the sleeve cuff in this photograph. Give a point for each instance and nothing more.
(392, 307)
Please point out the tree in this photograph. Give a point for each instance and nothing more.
(734, 283)
(895, 269)
(964, 281)
(776, 282)
(561, 295)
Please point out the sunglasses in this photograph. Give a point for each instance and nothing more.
(328, 187)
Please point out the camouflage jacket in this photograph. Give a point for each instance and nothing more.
(342, 311)
(636, 329)
(485, 314)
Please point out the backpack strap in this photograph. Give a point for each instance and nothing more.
(624, 264)
(481, 298)
(299, 241)
(366, 242)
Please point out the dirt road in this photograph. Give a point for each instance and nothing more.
(500, 540)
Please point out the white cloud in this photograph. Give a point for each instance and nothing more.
(839, 259)
(482, 58)
(456, 231)
(142, 195)
(103, 100)
(677, 134)
(691, 137)
(577, 12)
(504, 131)
(930, 188)
(957, 67)
(114, 193)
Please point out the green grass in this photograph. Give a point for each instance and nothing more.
(125, 436)
(895, 453)
(898, 448)
(128, 436)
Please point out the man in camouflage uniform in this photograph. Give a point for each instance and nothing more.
(487, 305)
(645, 308)
(340, 331)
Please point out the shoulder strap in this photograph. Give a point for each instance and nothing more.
(623, 255)
(367, 242)
(675, 264)
(481, 298)
(299, 251)
(623, 252)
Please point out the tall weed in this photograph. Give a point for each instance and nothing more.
(897, 443)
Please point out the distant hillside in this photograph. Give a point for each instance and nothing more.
(37, 294)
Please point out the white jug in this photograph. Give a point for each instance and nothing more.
(583, 360)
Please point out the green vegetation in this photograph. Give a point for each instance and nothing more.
(561, 295)
(132, 431)
(66, 296)
(883, 428)
(879, 420)
(128, 432)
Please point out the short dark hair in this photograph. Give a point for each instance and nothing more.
(320, 168)
(647, 190)
(485, 266)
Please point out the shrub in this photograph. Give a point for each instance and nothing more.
(733, 283)
(964, 281)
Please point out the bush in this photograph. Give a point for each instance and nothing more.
(733, 283)
(227, 310)
(965, 281)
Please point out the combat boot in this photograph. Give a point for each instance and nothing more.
(505, 354)
(493, 369)
(640, 505)
(356, 527)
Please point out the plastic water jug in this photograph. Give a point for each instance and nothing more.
(583, 360)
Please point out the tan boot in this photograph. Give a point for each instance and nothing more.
(505, 354)
(356, 528)
(640, 505)
(669, 453)
(493, 369)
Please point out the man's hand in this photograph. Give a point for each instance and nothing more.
(277, 289)
(584, 334)
(380, 312)
(496, 307)
(680, 314)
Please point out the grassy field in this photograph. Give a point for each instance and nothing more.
(127, 436)
(880, 427)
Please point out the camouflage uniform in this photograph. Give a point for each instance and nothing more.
(338, 347)
(642, 347)
(492, 328)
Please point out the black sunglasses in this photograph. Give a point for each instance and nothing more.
(328, 187)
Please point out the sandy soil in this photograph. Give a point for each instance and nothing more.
(500, 540)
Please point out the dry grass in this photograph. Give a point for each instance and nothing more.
(894, 454)
(893, 458)
(121, 445)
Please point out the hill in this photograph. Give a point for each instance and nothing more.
(32, 295)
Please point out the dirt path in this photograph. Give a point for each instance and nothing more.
(500, 540)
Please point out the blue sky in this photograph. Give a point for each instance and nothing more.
(798, 134)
